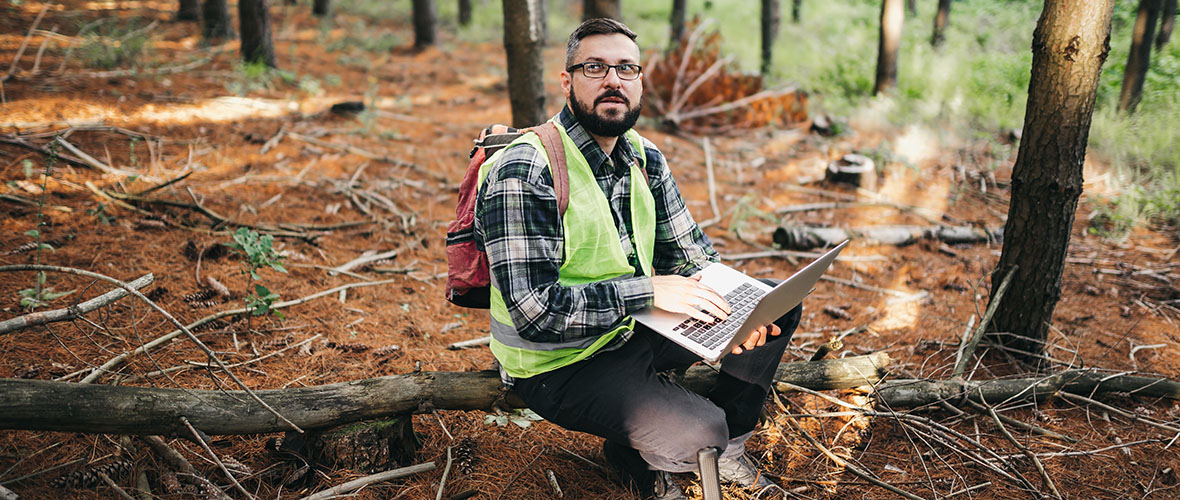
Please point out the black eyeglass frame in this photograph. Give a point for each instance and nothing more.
(617, 68)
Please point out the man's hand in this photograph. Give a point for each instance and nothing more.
(758, 337)
(688, 296)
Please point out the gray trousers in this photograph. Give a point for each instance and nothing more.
(651, 421)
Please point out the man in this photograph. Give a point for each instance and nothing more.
(563, 287)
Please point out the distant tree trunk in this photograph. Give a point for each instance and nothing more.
(601, 8)
(464, 12)
(912, 6)
(1166, 24)
(254, 21)
(1069, 45)
(215, 22)
(320, 8)
(524, 33)
(796, 7)
(770, 21)
(892, 17)
(425, 21)
(1139, 58)
(941, 20)
(189, 10)
(679, 13)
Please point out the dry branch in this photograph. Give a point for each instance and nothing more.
(806, 238)
(61, 406)
(25, 44)
(915, 393)
(69, 313)
(356, 484)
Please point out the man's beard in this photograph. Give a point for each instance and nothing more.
(603, 126)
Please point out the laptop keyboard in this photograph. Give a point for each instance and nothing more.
(742, 300)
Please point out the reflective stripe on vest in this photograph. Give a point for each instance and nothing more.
(592, 253)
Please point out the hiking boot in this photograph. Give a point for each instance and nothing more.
(632, 471)
(742, 471)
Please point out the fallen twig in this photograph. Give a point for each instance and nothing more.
(968, 348)
(122, 358)
(220, 464)
(485, 340)
(442, 483)
(840, 461)
(69, 313)
(25, 44)
(91, 161)
(712, 185)
(163, 312)
(357, 484)
(802, 255)
(552, 478)
(7, 494)
(362, 260)
(1027, 452)
(367, 154)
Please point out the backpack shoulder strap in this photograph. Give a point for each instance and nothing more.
(551, 139)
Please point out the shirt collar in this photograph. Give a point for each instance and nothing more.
(589, 147)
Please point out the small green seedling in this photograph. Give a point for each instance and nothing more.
(258, 252)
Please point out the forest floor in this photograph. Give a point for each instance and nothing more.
(251, 161)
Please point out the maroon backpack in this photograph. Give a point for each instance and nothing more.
(468, 278)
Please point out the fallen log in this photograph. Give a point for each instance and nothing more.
(806, 237)
(60, 406)
(916, 393)
(69, 313)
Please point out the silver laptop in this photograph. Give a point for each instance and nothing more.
(753, 303)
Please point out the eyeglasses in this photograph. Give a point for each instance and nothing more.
(599, 70)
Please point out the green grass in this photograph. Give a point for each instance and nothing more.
(114, 43)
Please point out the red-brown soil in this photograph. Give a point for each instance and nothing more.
(431, 103)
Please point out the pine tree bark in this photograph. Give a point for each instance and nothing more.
(215, 22)
(602, 8)
(524, 34)
(464, 12)
(1167, 24)
(254, 21)
(320, 8)
(889, 45)
(1139, 58)
(941, 19)
(425, 23)
(796, 8)
(1070, 43)
(770, 22)
(189, 10)
(679, 15)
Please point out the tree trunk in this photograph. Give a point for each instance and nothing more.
(602, 8)
(523, 41)
(464, 12)
(1139, 58)
(892, 16)
(1167, 23)
(679, 13)
(254, 21)
(62, 406)
(425, 23)
(770, 20)
(320, 8)
(215, 22)
(941, 20)
(1070, 44)
(189, 10)
(912, 6)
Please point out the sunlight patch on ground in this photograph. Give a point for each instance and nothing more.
(917, 144)
(898, 313)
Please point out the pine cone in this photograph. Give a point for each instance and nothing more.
(202, 298)
(88, 477)
(350, 346)
(465, 456)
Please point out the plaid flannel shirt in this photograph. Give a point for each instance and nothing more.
(519, 227)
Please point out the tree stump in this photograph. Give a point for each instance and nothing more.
(854, 169)
(369, 447)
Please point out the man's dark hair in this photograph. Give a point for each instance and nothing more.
(598, 26)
